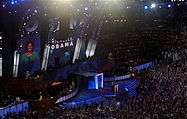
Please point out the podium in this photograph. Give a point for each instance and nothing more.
(91, 80)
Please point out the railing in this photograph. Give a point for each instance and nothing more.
(73, 94)
(64, 98)
(119, 78)
(21, 107)
(139, 68)
(81, 103)
(143, 66)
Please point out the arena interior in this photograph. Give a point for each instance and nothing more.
(93, 59)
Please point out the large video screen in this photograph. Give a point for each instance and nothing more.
(30, 55)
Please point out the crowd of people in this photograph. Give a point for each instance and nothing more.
(6, 99)
(161, 95)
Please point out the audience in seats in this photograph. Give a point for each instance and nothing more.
(162, 95)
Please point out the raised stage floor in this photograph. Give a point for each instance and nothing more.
(88, 97)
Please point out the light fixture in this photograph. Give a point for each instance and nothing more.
(86, 8)
(145, 7)
(153, 5)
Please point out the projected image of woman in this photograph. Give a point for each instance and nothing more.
(29, 59)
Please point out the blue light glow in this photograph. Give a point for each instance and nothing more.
(12, 2)
(145, 7)
(15, 1)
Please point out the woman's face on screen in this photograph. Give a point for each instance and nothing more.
(29, 47)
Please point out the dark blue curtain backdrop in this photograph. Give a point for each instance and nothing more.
(60, 56)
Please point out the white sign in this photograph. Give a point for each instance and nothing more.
(62, 45)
